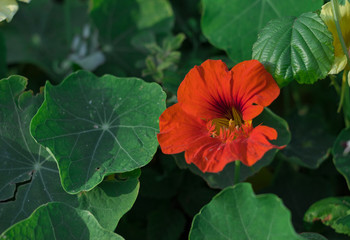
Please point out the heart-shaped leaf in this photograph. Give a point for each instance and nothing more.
(98, 126)
(296, 48)
(59, 221)
(234, 25)
(236, 213)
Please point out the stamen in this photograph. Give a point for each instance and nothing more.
(229, 127)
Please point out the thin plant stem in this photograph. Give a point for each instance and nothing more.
(335, 84)
(237, 171)
(342, 94)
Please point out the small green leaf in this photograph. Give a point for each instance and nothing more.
(225, 178)
(333, 212)
(341, 154)
(296, 48)
(234, 25)
(59, 221)
(236, 213)
(110, 201)
(98, 126)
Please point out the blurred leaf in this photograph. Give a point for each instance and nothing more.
(29, 176)
(59, 221)
(341, 154)
(226, 176)
(165, 224)
(42, 34)
(236, 213)
(333, 212)
(234, 25)
(119, 22)
(313, 236)
(110, 201)
(98, 126)
(296, 48)
(3, 67)
(342, 2)
(311, 141)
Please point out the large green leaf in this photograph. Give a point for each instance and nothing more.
(333, 212)
(341, 154)
(98, 126)
(237, 214)
(121, 22)
(29, 176)
(296, 48)
(110, 200)
(226, 176)
(234, 25)
(59, 221)
(42, 33)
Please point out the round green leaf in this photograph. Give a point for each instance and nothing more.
(59, 221)
(28, 175)
(295, 48)
(333, 212)
(341, 154)
(234, 25)
(225, 178)
(236, 213)
(98, 126)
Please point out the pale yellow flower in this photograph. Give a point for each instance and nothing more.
(8, 9)
(327, 16)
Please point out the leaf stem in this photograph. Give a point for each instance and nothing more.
(342, 94)
(336, 14)
(335, 84)
(237, 171)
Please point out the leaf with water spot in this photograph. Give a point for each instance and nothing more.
(234, 25)
(59, 221)
(237, 213)
(98, 126)
(28, 175)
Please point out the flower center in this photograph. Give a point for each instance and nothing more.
(229, 127)
(231, 121)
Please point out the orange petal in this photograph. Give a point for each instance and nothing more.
(206, 90)
(209, 155)
(253, 148)
(253, 88)
(178, 130)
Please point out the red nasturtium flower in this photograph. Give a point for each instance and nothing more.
(212, 121)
